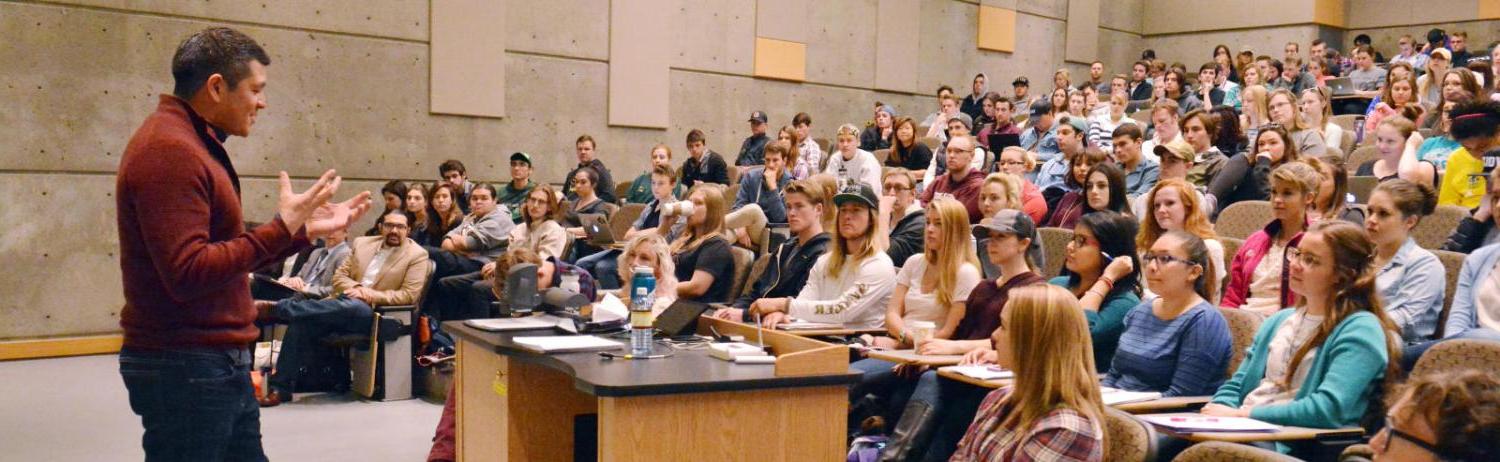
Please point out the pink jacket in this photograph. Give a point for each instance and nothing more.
(1242, 268)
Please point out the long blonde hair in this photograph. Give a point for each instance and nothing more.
(713, 219)
(1255, 97)
(953, 220)
(1054, 367)
(841, 254)
(666, 276)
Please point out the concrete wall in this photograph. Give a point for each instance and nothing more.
(349, 90)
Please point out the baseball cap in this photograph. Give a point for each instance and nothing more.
(1021, 81)
(1013, 222)
(1041, 108)
(1448, 55)
(758, 116)
(1078, 123)
(1176, 148)
(962, 117)
(521, 156)
(859, 192)
(889, 110)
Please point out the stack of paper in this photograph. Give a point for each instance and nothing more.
(1198, 423)
(802, 324)
(545, 321)
(566, 343)
(734, 350)
(982, 372)
(1114, 396)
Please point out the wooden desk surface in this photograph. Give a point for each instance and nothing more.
(831, 332)
(1286, 433)
(686, 371)
(1139, 407)
(911, 356)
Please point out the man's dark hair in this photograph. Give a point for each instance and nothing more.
(1362, 39)
(452, 165)
(216, 50)
(1275, 64)
(410, 219)
(494, 193)
(1128, 130)
(801, 118)
(695, 135)
(589, 139)
(944, 87)
(1475, 119)
(1317, 42)
(396, 187)
(1208, 67)
(1148, 55)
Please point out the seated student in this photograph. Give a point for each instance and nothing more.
(1016, 161)
(1333, 201)
(588, 157)
(421, 214)
(1103, 191)
(444, 214)
(1258, 273)
(787, 271)
(1480, 228)
(394, 193)
(384, 270)
(640, 189)
(1001, 191)
(1317, 365)
(1256, 112)
(1397, 140)
(906, 218)
(1176, 160)
(1229, 138)
(1177, 343)
(1314, 106)
(1367, 79)
(1476, 304)
(1002, 117)
(1072, 141)
(1442, 416)
(1207, 91)
(513, 195)
(851, 164)
(1054, 410)
(939, 126)
(879, 135)
(702, 164)
(1410, 278)
(1041, 136)
(1166, 123)
(852, 282)
(907, 151)
(585, 200)
(1176, 90)
(1103, 127)
(477, 240)
(758, 201)
(602, 263)
(1103, 272)
(923, 405)
(961, 181)
(1476, 126)
(452, 172)
(315, 276)
(1282, 107)
(932, 286)
(1247, 175)
(809, 155)
(1173, 209)
(651, 251)
(755, 144)
(1397, 97)
(1141, 173)
(959, 126)
(539, 230)
(705, 266)
(1198, 129)
(794, 164)
(1063, 211)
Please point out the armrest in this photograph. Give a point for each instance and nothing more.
(394, 308)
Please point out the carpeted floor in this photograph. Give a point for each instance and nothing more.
(75, 409)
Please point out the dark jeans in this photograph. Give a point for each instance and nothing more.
(960, 402)
(605, 268)
(196, 404)
(442, 302)
(460, 297)
(308, 321)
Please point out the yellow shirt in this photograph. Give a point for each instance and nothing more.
(1463, 180)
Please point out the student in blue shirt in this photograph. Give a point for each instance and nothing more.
(1177, 343)
(1409, 278)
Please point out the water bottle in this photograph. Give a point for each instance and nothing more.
(642, 288)
(1359, 130)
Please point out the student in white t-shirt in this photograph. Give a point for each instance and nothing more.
(933, 286)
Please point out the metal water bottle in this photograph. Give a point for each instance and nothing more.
(642, 290)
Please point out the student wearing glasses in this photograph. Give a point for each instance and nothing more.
(1016, 161)
(1102, 271)
(1258, 272)
(1443, 416)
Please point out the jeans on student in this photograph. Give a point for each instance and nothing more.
(196, 404)
(960, 402)
(308, 321)
(605, 268)
(1412, 353)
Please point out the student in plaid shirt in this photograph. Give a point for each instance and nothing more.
(1031, 420)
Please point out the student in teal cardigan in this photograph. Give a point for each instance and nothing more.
(1339, 321)
(1102, 270)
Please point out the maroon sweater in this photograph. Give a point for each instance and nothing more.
(185, 255)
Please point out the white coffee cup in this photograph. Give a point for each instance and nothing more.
(682, 208)
(921, 331)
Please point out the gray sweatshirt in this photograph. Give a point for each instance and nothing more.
(485, 236)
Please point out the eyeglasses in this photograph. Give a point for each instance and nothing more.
(1306, 259)
(1392, 433)
(393, 226)
(1008, 163)
(896, 187)
(956, 151)
(1269, 126)
(1165, 259)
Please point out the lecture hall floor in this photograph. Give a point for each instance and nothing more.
(75, 409)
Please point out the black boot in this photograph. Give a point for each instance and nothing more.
(911, 433)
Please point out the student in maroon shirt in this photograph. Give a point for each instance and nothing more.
(185, 254)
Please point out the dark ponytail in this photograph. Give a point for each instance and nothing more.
(1206, 286)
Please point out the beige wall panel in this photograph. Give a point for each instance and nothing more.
(398, 19)
(1082, 31)
(1123, 15)
(946, 52)
(571, 28)
(896, 45)
(780, 59)
(788, 20)
(1055, 9)
(714, 35)
(842, 48)
(1196, 49)
(1007, 4)
(468, 58)
(1330, 12)
(996, 29)
(61, 244)
(640, 45)
(1367, 14)
(1174, 16)
(1118, 51)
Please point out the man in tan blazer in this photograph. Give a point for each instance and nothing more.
(384, 270)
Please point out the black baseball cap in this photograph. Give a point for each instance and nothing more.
(758, 116)
(858, 192)
(1041, 108)
(1015, 223)
(521, 156)
(1021, 81)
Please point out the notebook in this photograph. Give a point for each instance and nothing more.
(566, 343)
(505, 324)
(1113, 396)
(1198, 423)
(982, 372)
(803, 324)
